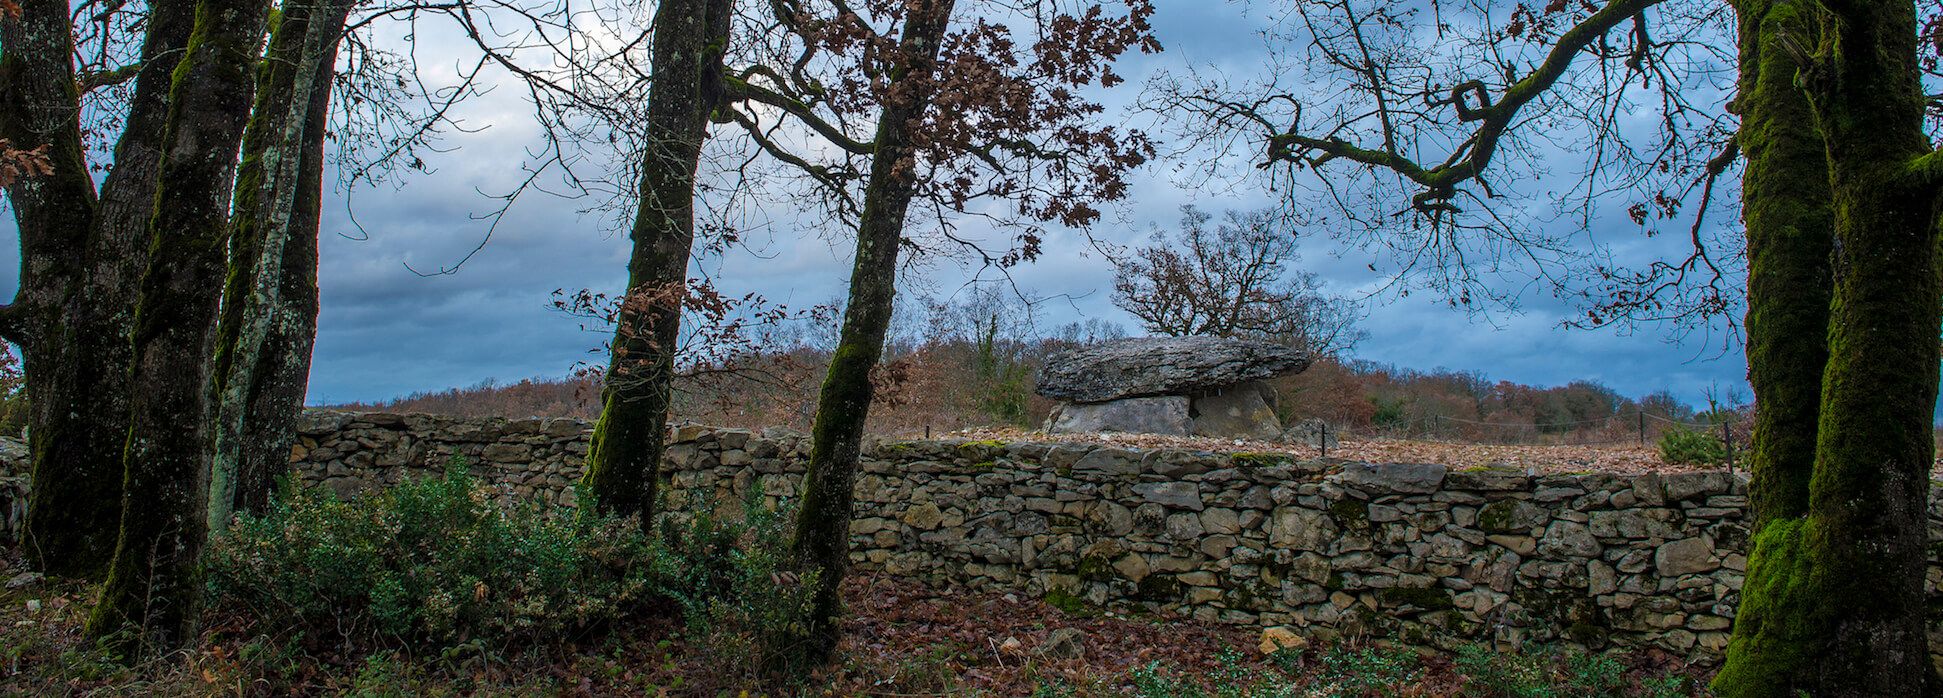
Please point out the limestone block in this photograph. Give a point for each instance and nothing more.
(1113, 461)
(1184, 527)
(925, 516)
(1511, 516)
(1220, 521)
(1568, 539)
(1167, 414)
(1394, 478)
(1179, 495)
(1685, 556)
(1162, 365)
(1302, 529)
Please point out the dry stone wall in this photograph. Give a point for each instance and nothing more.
(1419, 552)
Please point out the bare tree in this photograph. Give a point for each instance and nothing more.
(963, 118)
(1233, 281)
(1423, 105)
(269, 308)
(684, 91)
(150, 601)
(1838, 200)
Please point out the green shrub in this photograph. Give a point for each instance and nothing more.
(433, 563)
(1367, 672)
(737, 587)
(1546, 674)
(1679, 444)
(437, 565)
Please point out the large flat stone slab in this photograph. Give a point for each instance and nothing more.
(1144, 366)
(1147, 415)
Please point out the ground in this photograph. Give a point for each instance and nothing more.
(1562, 458)
(903, 639)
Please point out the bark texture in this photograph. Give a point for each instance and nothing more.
(1834, 599)
(1790, 222)
(823, 524)
(625, 455)
(152, 596)
(269, 317)
(81, 262)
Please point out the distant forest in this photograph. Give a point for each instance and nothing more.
(957, 379)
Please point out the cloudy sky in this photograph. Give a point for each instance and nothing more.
(386, 331)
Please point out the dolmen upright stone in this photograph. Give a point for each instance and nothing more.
(1179, 386)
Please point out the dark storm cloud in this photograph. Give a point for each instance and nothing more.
(386, 332)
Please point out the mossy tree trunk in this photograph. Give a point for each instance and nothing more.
(624, 457)
(1834, 604)
(822, 540)
(1790, 222)
(152, 596)
(269, 316)
(81, 263)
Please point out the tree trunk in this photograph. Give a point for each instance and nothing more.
(80, 265)
(823, 524)
(269, 316)
(150, 601)
(625, 454)
(1840, 589)
(1790, 232)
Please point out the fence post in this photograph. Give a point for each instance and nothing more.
(1322, 437)
(1642, 426)
(1727, 437)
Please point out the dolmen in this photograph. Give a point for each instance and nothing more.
(1178, 386)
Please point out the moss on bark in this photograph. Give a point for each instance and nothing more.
(1790, 232)
(150, 602)
(269, 315)
(823, 523)
(625, 454)
(1834, 597)
(81, 261)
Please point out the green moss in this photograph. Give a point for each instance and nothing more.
(1095, 568)
(1334, 582)
(1424, 598)
(1067, 603)
(1496, 516)
(986, 465)
(1158, 588)
(1258, 460)
(1772, 644)
(1352, 514)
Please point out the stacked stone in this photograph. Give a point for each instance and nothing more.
(525, 459)
(1407, 550)
(1414, 551)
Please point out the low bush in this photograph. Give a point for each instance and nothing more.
(737, 588)
(432, 563)
(1679, 444)
(1542, 673)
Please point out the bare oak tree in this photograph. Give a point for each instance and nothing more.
(1232, 281)
(1838, 200)
(963, 119)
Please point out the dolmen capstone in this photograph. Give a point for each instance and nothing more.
(1179, 386)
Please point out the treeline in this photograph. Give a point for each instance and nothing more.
(953, 367)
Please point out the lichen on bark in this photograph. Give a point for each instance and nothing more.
(624, 457)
